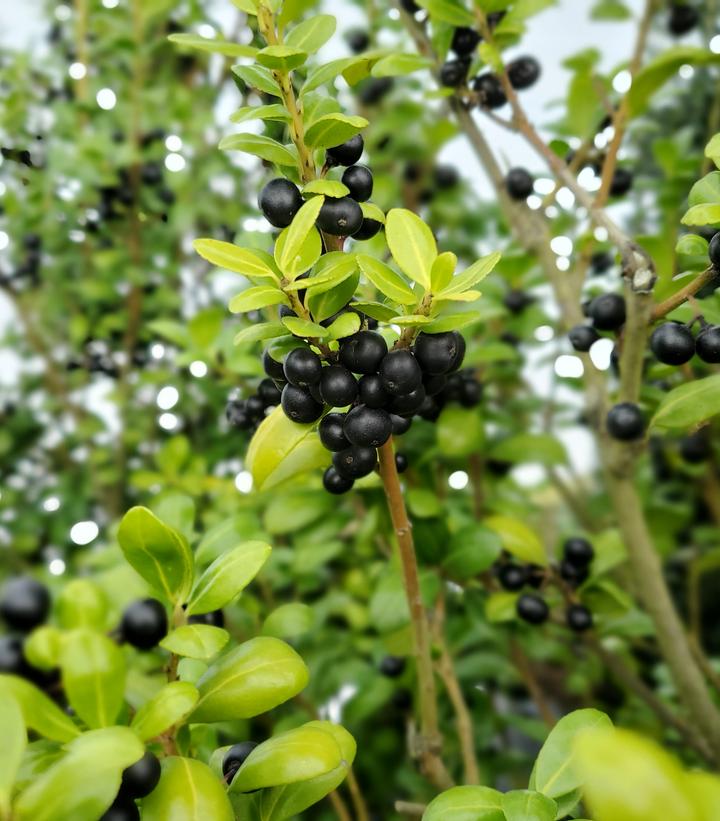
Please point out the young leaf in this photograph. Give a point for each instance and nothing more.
(158, 553)
(501, 606)
(333, 129)
(248, 6)
(397, 65)
(327, 73)
(42, 647)
(692, 245)
(390, 284)
(212, 46)
(259, 78)
(196, 641)
(345, 325)
(260, 146)
(452, 322)
(261, 296)
(169, 706)
(706, 214)
(274, 111)
(304, 328)
(471, 276)
(289, 621)
(250, 263)
(330, 188)
(39, 712)
(522, 805)
(466, 804)
(442, 271)
(373, 212)
(313, 33)
(11, 752)
(518, 539)
(712, 150)
(412, 245)
(306, 255)
(81, 603)
(297, 234)
(448, 11)
(335, 268)
(188, 790)
(689, 404)
(227, 577)
(281, 57)
(251, 679)
(706, 190)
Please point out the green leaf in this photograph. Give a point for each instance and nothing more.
(304, 328)
(333, 129)
(466, 804)
(308, 252)
(332, 269)
(265, 330)
(297, 234)
(555, 772)
(188, 791)
(373, 212)
(390, 284)
(689, 404)
(452, 322)
(397, 65)
(244, 261)
(459, 431)
(157, 552)
(289, 621)
(212, 46)
(325, 301)
(526, 805)
(610, 10)
(196, 641)
(274, 111)
(11, 752)
(260, 146)
(261, 296)
(84, 782)
(259, 78)
(345, 325)
(500, 606)
(706, 190)
(472, 551)
(442, 271)
(250, 679)
(281, 449)
(42, 647)
(518, 539)
(281, 57)
(168, 707)
(313, 33)
(702, 215)
(330, 188)
(530, 447)
(471, 276)
(584, 106)
(327, 72)
(412, 245)
(39, 712)
(375, 310)
(248, 6)
(448, 11)
(227, 577)
(692, 245)
(712, 150)
(297, 755)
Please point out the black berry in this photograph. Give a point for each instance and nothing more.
(625, 422)
(237, 415)
(445, 176)
(401, 462)
(357, 39)
(470, 393)
(392, 666)
(436, 353)
(683, 18)
(512, 576)
(600, 262)
(302, 368)
(12, 659)
(707, 344)
(338, 387)
(335, 483)
(489, 90)
(714, 251)
(359, 180)
(367, 427)
(235, 757)
(695, 448)
(368, 229)
(255, 408)
(516, 301)
(672, 343)
(299, 405)
(216, 618)
(578, 618)
(434, 384)
(583, 337)
(400, 372)
(355, 462)
(453, 73)
(122, 809)
(464, 41)
(532, 608)
(269, 393)
(279, 201)
(621, 182)
(331, 433)
(400, 424)
(141, 778)
(573, 574)
(607, 312)
(523, 72)
(348, 153)
(363, 352)
(578, 551)
(519, 183)
(24, 603)
(372, 392)
(408, 403)
(144, 623)
(341, 217)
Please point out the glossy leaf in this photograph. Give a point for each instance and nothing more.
(526, 805)
(261, 296)
(281, 57)
(260, 146)
(289, 621)
(250, 679)
(705, 214)
(246, 261)
(333, 129)
(12, 749)
(471, 276)
(313, 33)
(688, 404)
(157, 552)
(264, 330)
(259, 78)
(412, 245)
(692, 245)
(389, 283)
(330, 188)
(43, 646)
(518, 539)
(188, 791)
(466, 804)
(396, 65)
(273, 111)
(303, 223)
(39, 712)
(168, 707)
(211, 45)
(459, 431)
(442, 271)
(345, 325)
(196, 641)
(227, 577)
(305, 256)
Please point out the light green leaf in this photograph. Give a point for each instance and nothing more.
(281, 57)
(712, 150)
(327, 73)
(692, 245)
(250, 679)
(526, 805)
(332, 269)
(168, 707)
(412, 245)
(689, 404)
(466, 804)
(390, 284)
(42, 647)
(330, 188)
(333, 129)
(13, 747)
(304, 328)
(610, 10)
(707, 214)
(375, 310)
(313, 33)
(345, 325)
(396, 65)
(500, 606)
(373, 212)
(706, 190)
(259, 78)
(442, 271)
(261, 296)
(530, 447)
(465, 296)
(188, 791)
(452, 322)
(274, 111)
(264, 330)
(471, 276)
(518, 539)
(260, 146)
(448, 11)
(227, 577)
(246, 261)
(289, 621)
(196, 641)
(248, 6)
(157, 552)
(459, 431)
(39, 712)
(297, 234)
(308, 252)
(212, 46)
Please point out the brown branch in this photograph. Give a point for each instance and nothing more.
(681, 296)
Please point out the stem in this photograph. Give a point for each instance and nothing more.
(524, 667)
(358, 800)
(430, 741)
(681, 296)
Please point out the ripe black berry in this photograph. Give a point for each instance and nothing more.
(334, 483)
(348, 153)
(372, 90)
(255, 408)
(583, 337)
(516, 301)
(400, 424)
(372, 392)
(121, 809)
(578, 618)
(357, 39)
(359, 180)
(216, 618)
(464, 41)
(400, 372)
(409, 403)
(696, 447)
(237, 415)
(141, 778)
(600, 262)
(341, 217)
(144, 623)
(453, 73)
(714, 251)
(578, 551)
(235, 757)
(363, 352)
(532, 608)
(489, 90)
(269, 393)
(299, 405)
(519, 183)
(607, 312)
(401, 462)
(707, 344)
(410, 6)
(434, 384)
(355, 462)
(512, 576)
(445, 176)
(12, 659)
(367, 427)
(470, 393)
(24, 603)
(302, 367)
(331, 433)
(368, 229)
(338, 386)
(392, 666)
(621, 182)
(672, 343)
(436, 353)
(523, 72)
(279, 201)
(625, 422)
(683, 18)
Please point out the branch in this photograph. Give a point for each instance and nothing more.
(681, 296)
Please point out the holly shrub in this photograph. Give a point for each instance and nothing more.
(342, 478)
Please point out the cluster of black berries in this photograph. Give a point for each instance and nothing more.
(246, 414)
(281, 199)
(138, 780)
(673, 343)
(574, 569)
(623, 178)
(428, 181)
(392, 387)
(522, 73)
(683, 18)
(24, 605)
(453, 72)
(28, 269)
